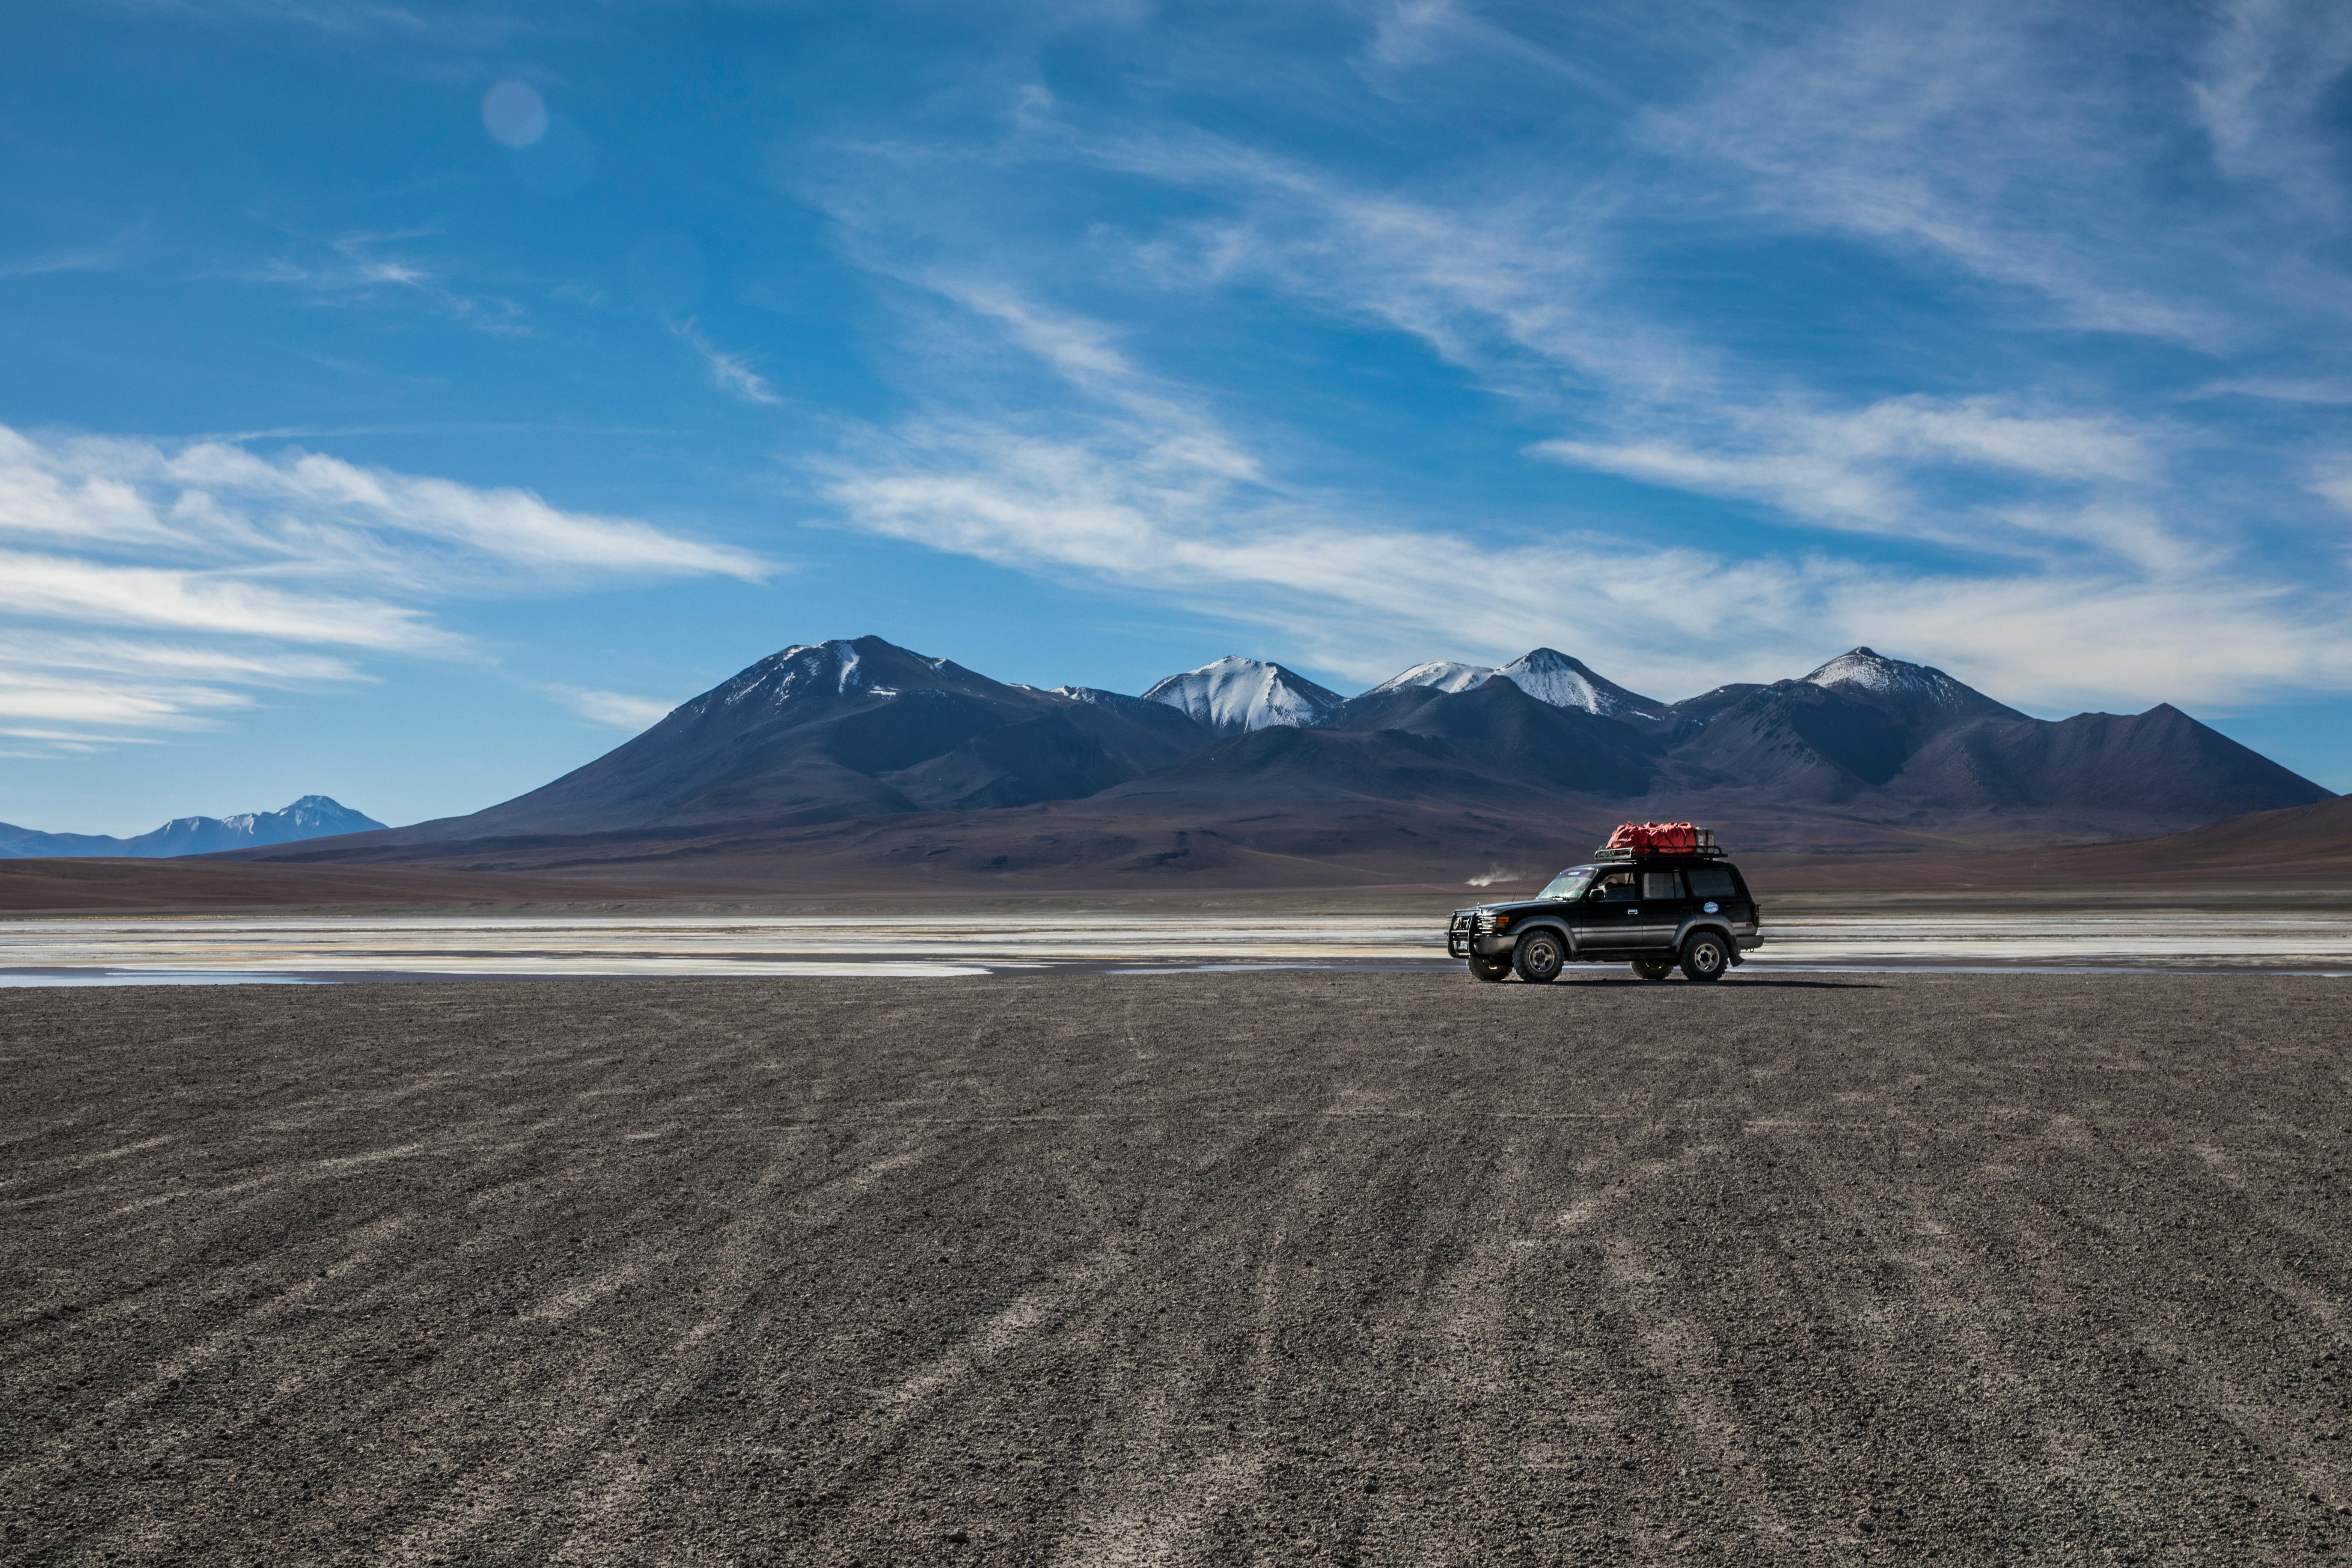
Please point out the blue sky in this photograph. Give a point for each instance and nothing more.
(408, 404)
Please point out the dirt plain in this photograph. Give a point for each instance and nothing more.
(1322, 1268)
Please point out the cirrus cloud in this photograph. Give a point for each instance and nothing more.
(152, 587)
(1828, 324)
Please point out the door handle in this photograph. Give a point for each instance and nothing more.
(1632, 911)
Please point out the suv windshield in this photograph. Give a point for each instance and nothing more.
(1568, 884)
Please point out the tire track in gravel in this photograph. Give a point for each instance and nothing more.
(1393, 1269)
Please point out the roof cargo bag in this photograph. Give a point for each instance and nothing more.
(1655, 838)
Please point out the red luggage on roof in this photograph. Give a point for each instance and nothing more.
(1658, 837)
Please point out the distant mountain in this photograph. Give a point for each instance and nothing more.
(1922, 693)
(1903, 748)
(1880, 734)
(1545, 674)
(1232, 696)
(1564, 682)
(861, 754)
(1438, 675)
(2160, 762)
(312, 816)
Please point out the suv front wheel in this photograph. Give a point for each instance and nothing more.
(1538, 957)
(1705, 956)
(1490, 968)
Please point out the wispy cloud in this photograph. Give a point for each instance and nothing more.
(2261, 86)
(1522, 294)
(456, 29)
(75, 739)
(102, 257)
(1505, 277)
(2334, 484)
(1367, 595)
(52, 668)
(1150, 492)
(118, 655)
(1414, 34)
(110, 686)
(2320, 390)
(1872, 469)
(1997, 498)
(731, 374)
(27, 694)
(308, 513)
(54, 587)
(1987, 137)
(1750, 332)
(358, 269)
(613, 709)
(153, 587)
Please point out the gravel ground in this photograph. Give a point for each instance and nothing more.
(1311, 1269)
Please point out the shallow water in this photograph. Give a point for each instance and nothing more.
(231, 949)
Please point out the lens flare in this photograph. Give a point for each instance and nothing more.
(514, 113)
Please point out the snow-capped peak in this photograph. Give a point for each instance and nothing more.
(1863, 669)
(1438, 675)
(797, 671)
(1549, 676)
(1234, 694)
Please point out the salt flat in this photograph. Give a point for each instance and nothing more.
(899, 944)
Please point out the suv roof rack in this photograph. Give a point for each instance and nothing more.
(1706, 849)
(1620, 856)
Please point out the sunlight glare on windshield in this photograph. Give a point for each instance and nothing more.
(1568, 884)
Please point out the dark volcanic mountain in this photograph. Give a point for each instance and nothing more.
(2161, 761)
(1500, 731)
(829, 731)
(1792, 738)
(862, 753)
(1863, 736)
(1875, 733)
(1850, 726)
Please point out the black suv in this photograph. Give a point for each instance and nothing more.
(1653, 907)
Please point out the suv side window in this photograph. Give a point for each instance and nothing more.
(1662, 885)
(1712, 882)
(1616, 888)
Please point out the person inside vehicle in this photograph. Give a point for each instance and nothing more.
(1618, 888)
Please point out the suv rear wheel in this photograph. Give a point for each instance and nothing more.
(1705, 956)
(1538, 957)
(1653, 968)
(1490, 968)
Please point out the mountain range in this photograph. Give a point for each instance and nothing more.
(312, 816)
(857, 762)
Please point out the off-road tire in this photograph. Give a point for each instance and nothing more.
(1705, 956)
(1653, 968)
(1490, 968)
(1539, 957)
